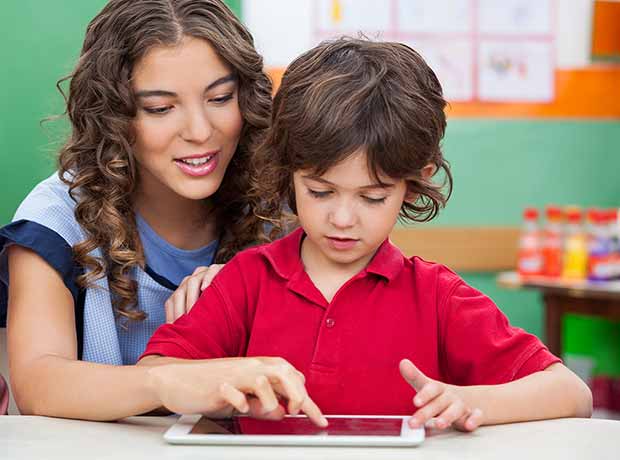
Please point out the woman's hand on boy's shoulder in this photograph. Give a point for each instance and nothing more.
(440, 402)
(183, 299)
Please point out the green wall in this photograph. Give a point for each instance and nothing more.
(499, 166)
(39, 43)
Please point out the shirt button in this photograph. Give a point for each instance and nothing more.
(330, 322)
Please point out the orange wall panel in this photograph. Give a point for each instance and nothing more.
(590, 92)
(606, 29)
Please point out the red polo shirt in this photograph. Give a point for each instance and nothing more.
(263, 303)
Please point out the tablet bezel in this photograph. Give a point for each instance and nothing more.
(179, 433)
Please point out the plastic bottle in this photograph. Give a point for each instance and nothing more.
(575, 246)
(599, 246)
(530, 258)
(553, 241)
(613, 231)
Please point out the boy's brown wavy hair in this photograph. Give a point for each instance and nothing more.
(345, 95)
(97, 161)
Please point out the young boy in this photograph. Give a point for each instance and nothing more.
(354, 144)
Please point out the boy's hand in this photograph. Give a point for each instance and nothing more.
(216, 387)
(438, 400)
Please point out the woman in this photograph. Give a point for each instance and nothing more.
(165, 103)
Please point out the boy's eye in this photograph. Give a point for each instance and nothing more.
(372, 200)
(319, 193)
(222, 99)
(158, 110)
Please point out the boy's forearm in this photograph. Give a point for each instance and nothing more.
(59, 387)
(553, 393)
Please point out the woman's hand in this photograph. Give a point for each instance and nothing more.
(440, 401)
(183, 299)
(218, 387)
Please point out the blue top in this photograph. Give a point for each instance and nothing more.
(45, 223)
(167, 260)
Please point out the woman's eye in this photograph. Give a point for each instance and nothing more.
(222, 99)
(319, 194)
(372, 200)
(158, 110)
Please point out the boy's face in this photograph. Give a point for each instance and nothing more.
(345, 213)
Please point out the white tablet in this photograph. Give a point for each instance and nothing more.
(343, 430)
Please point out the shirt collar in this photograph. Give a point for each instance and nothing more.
(285, 257)
(387, 262)
(284, 254)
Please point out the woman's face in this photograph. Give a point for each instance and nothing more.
(188, 121)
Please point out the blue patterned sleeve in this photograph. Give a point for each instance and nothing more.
(48, 244)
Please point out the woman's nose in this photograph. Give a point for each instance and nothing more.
(197, 127)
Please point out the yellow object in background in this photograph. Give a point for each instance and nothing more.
(575, 246)
(336, 11)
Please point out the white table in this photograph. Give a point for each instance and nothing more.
(136, 438)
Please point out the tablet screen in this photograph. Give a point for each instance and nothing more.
(300, 426)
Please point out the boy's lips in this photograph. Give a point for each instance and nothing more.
(341, 242)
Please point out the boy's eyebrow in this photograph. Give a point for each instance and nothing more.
(364, 187)
(160, 92)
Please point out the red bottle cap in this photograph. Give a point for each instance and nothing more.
(530, 213)
(595, 215)
(573, 214)
(554, 212)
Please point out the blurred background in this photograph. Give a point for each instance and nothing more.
(534, 119)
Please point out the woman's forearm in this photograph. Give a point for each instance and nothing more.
(60, 387)
(553, 393)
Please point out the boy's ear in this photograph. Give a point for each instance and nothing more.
(426, 173)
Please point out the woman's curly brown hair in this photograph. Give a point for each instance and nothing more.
(97, 161)
(345, 95)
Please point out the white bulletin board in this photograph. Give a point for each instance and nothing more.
(481, 50)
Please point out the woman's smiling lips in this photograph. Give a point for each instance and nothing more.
(198, 165)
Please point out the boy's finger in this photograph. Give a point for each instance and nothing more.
(428, 411)
(234, 397)
(428, 392)
(413, 375)
(263, 391)
(474, 420)
(452, 414)
(258, 411)
(290, 386)
(313, 412)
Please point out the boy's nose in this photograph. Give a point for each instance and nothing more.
(342, 216)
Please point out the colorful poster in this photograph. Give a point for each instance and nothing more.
(516, 17)
(353, 16)
(515, 71)
(434, 17)
(452, 63)
(487, 50)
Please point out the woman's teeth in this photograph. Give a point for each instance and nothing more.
(197, 161)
